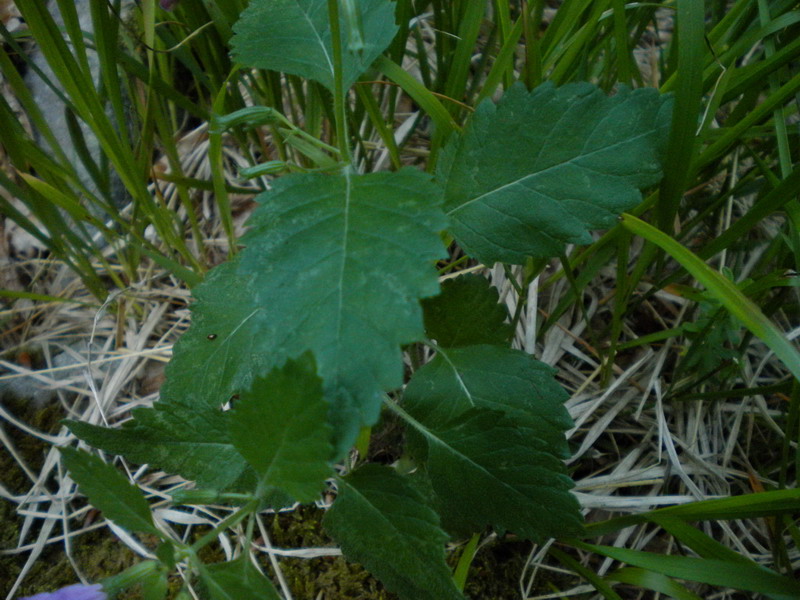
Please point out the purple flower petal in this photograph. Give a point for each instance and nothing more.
(73, 592)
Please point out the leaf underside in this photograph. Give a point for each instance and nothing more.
(382, 522)
(540, 169)
(294, 36)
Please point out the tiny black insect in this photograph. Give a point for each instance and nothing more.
(211, 336)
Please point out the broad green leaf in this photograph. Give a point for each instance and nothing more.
(281, 428)
(333, 264)
(294, 36)
(540, 169)
(208, 366)
(466, 313)
(190, 441)
(237, 580)
(109, 491)
(492, 377)
(487, 470)
(382, 522)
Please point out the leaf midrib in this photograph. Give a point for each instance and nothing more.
(345, 237)
(319, 40)
(461, 383)
(404, 536)
(432, 436)
(559, 165)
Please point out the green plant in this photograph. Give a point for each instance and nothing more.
(305, 325)
(303, 329)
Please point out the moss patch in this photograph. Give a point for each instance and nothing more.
(326, 578)
(494, 575)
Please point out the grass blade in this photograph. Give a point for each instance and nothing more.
(422, 96)
(723, 290)
(688, 97)
(746, 506)
(728, 574)
(652, 581)
(600, 584)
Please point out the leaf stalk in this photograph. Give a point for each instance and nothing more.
(339, 106)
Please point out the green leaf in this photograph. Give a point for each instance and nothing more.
(652, 581)
(704, 545)
(280, 427)
(492, 377)
(155, 585)
(487, 470)
(577, 567)
(166, 554)
(425, 98)
(382, 522)
(310, 279)
(540, 169)
(745, 506)
(192, 441)
(294, 36)
(109, 491)
(740, 575)
(237, 580)
(207, 367)
(139, 573)
(466, 313)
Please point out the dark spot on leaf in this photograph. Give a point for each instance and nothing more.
(211, 336)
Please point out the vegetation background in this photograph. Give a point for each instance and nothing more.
(119, 189)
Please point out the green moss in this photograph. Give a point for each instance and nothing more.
(494, 575)
(326, 578)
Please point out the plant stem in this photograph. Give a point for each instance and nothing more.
(362, 443)
(464, 562)
(339, 107)
(129, 577)
(229, 521)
